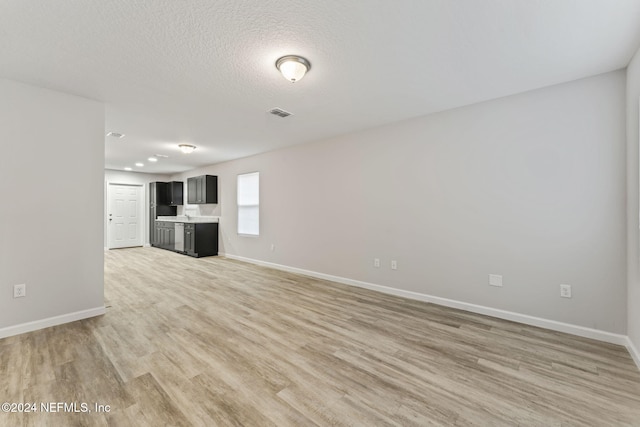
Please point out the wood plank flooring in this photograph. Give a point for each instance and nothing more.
(212, 341)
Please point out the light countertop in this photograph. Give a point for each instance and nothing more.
(190, 219)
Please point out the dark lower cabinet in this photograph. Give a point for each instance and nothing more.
(164, 235)
(155, 239)
(189, 241)
(201, 239)
(171, 236)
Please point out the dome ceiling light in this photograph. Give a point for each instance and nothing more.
(293, 67)
(187, 148)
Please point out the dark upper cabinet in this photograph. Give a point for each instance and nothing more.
(166, 194)
(175, 193)
(158, 193)
(202, 189)
(192, 184)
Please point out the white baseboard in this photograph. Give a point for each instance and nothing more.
(553, 325)
(146, 245)
(633, 351)
(51, 321)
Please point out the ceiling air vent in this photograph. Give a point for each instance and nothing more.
(280, 112)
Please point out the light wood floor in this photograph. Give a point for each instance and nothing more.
(213, 341)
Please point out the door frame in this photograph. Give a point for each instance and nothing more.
(141, 210)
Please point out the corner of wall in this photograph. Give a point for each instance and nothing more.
(633, 206)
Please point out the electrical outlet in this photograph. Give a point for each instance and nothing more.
(19, 291)
(565, 291)
(394, 264)
(495, 280)
(376, 262)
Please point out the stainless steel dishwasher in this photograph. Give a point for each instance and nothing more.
(179, 237)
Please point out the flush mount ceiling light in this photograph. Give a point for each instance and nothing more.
(152, 159)
(139, 164)
(293, 67)
(127, 168)
(116, 134)
(187, 148)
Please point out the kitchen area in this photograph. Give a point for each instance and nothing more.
(187, 234)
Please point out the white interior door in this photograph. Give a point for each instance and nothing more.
(124, 217)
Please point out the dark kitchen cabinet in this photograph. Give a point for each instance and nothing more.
(171, 236)
(189, 241)
(175, 193)
(158, 193)
(192, 184)
(159, 235)
(201, 239)
(157, 240)
(202, 189)
(158, 206)
(164, 235)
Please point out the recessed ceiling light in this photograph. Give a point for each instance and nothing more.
(127, 169)
(139, 164)
(187, 148)
(116, 134)
(152, 159)
(164, 156)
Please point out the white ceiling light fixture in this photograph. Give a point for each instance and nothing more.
(116, 134)
(127, 169)
(140, 164)
(293, 67)
(187, 148)
(152, 159)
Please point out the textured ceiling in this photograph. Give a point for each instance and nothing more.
(202, 71)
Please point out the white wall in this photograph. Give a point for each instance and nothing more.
(530, 186)
(633, 190)
(51, 182)
(131, 178)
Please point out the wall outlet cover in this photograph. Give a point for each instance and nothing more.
(495, 280)
(19, 291)
(565, 291)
